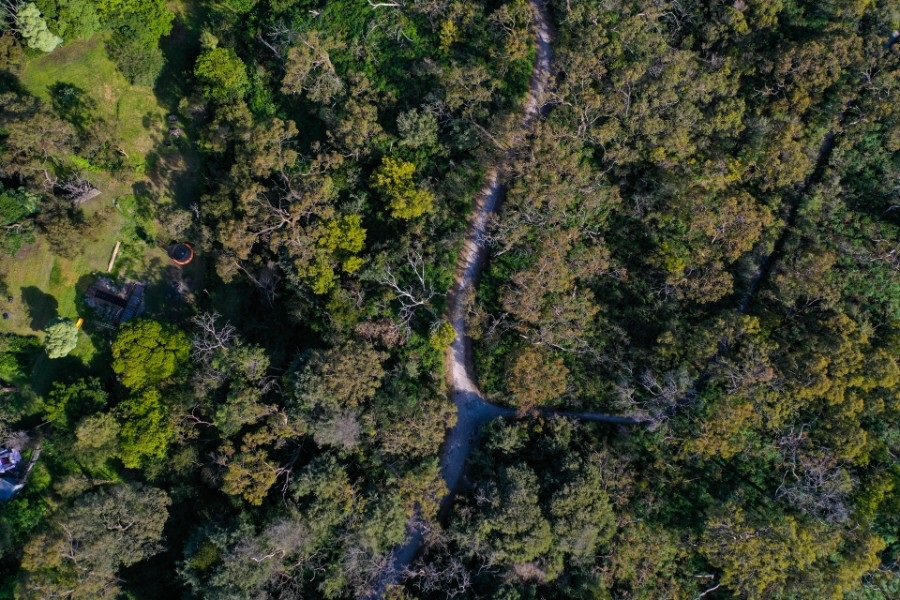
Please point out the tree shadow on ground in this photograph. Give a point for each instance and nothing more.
(72, 104)
(180, 48)
(144, 199)
(9, 82)
(47, 370)
(41, 306)
(171, 291)
(176, 166)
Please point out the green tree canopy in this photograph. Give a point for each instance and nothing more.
(394, 180)
(148, 352)
(536, 378)
(34, 29)
(145, 19)
(222, 74)
(140, 62)
(67, 404)
(16, 204)
(146, 429)
(71, 19)
(97, 439)
(16, 228)
(332, 386)
(511, 527)
(81, 553)
(61, 337)
(339, 241)
(417, 129)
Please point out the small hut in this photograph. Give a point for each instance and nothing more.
(116, 304)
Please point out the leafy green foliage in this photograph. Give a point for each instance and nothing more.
(332, 387)
(16, 206)
(137, 27)
(417, 129)
(537, 379)
(309, 69)
(146, 19)
(394, 180)
(97, 439)
(146, 429)
(148, 352)
(139, 62)
(34, 29)
(102, 532)
(66, 405)
(60, 337)
(513, 529)
(338, 243)
(71, 19)
(222, 75)
(14, 356)
(697, 232)
(442, 337)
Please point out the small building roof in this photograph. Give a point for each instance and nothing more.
(9, 459)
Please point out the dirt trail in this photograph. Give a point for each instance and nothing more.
(473, 411)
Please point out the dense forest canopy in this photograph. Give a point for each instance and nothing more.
(511, 299)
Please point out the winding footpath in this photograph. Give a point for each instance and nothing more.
(473, 411)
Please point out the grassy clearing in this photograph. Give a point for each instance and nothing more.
(43, 285)
(133, 111)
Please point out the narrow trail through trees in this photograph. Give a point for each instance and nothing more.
(473, 411)
(767, 264)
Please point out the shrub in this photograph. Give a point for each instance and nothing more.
(61, 338)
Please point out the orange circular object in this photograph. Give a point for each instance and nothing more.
(182, 254)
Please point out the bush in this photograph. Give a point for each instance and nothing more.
(16, 226)
(148, 352)
(140, 62)
(71, 19)
(34, 30)
(61, 338)
(442, 337)
(394, 180)
(222, 74)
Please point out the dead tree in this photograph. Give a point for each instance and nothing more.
(210, 337)
(10, 9)
(814, 481)
(413, 294)
(77, 189)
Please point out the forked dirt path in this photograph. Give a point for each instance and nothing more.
(473, 411)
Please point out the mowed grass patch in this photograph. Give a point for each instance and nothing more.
(131, 110)
(43, 285)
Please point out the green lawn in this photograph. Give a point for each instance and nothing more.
(132, 110)
(44, 286)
